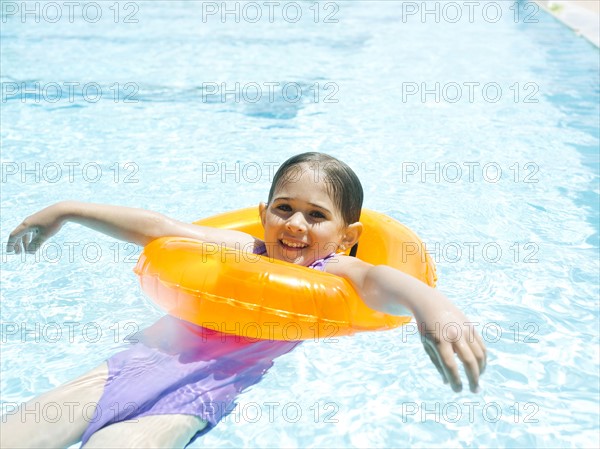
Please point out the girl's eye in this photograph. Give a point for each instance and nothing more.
(317, 214)
(284, 207)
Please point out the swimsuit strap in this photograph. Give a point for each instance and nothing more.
(319, 264)
(260, 250)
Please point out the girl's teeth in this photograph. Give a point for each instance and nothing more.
(293, 245)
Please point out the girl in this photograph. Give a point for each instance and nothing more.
(178, 384)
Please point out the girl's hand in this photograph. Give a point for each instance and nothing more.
(446, 331)
(36, 229)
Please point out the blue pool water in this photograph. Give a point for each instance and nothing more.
(498, 174)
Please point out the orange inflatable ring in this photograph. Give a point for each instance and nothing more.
(261, 298)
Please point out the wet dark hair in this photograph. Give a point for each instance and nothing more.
(343, 184)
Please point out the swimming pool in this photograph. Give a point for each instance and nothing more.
(495, 167)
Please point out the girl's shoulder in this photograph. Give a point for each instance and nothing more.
(344, 265)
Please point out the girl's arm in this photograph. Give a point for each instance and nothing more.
(445, 330)
(138, 226)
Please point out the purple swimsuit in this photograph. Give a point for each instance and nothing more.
(176, 367)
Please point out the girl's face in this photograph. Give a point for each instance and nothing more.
(302, 222)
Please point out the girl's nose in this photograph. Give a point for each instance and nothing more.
(296, 223)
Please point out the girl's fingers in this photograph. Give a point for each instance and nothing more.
(434, 359)
(35, 242)
(26, 239)
(471, 364)
(443, 358)
(470, 351)
(459, 339)
(12, 244)
(15, 239)
(475, 343)
(480, 353)
(451, 368)
(17, 245)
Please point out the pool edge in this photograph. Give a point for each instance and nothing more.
(582, 17)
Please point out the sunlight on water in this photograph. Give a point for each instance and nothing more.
(497, 171)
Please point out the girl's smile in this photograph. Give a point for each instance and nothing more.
(302, 223)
